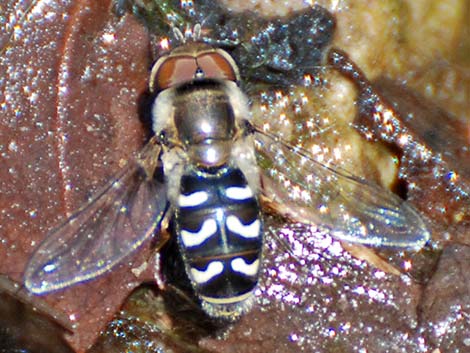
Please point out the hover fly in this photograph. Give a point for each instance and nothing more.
(216, 164)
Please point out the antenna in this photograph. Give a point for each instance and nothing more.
(179, 35)
(197, 32)
(189, 34)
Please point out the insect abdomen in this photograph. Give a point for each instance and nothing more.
(219, 232)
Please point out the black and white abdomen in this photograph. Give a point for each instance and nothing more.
(219, 232)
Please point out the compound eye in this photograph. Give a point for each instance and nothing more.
(171, 71)
(218, 65)
(178, 68)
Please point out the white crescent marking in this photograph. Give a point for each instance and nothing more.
(195, 199)
(208, 229)
(239, 265)
(213, 269)
(238, 193)
(246, 231)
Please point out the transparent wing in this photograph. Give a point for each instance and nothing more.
(112, 225)
(351, 208)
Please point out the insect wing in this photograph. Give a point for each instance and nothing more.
(351, 208)
(112, 225)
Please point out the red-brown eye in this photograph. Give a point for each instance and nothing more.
(172, 71)
(215, 65)
(196, 61)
